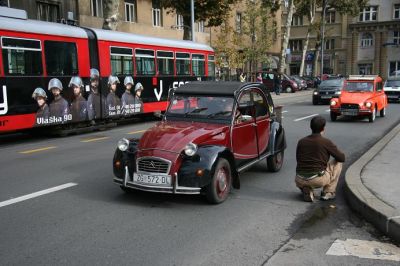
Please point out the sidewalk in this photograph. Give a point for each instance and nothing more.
(372, 185)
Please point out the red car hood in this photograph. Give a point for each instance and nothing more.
(174, 135)
(355, 97)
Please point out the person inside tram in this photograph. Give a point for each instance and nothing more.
(79, 104)
(59, 108)
(127, 99)
(138, 101)
(94, 100)
(113, 103)
(43, 113)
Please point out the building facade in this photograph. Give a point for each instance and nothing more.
(374, 43)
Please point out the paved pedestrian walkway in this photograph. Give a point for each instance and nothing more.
(373, 184)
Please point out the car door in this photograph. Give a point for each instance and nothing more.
(381, 97)
(244, 140)
(263, 120)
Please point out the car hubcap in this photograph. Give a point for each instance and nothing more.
(278, 159)
(221, 181)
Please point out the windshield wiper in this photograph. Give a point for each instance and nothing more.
(195, 111)
(219, 113)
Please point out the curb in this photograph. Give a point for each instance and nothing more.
(362, 200)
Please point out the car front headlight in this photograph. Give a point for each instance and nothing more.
(123, 144)
(316, 92)
(333, 103)
(190, 149)
(339, 92)
(368, 104)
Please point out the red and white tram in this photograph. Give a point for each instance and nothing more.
(34, 52)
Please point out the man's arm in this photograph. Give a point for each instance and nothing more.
(335, 152)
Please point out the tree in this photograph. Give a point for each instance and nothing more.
(110, 13)
(286, 36)
(210, 11)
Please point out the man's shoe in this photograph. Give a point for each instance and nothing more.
(308, 194)
(328, 196)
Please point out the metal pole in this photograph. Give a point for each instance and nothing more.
(323, 37)
(192, 14)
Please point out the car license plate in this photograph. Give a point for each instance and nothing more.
(325, 97)
(152, 179)
(352, 113)
(393, 96)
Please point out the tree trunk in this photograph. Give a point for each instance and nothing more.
(305, 48)
(110, 14)
(187, 30)
(316, 60)
(282, 61)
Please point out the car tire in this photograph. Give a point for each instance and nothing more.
(288, 89)
(382, 113)
(275, 162)
(333, 116)
(372, 116)
(221, 182)
(315, 101)
(125, 189)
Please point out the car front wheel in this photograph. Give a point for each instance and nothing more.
(333, 116)
(315, 101)
(275, 162)
(372, 116)
(217, 191)
(383, 112)
(288, 89)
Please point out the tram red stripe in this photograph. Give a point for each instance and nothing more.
(15, 122)
(155, 106)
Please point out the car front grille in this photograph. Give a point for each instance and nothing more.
(349, 106)
(153, 165)
(392, 92)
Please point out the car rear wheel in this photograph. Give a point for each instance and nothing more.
(372, 116)
(333, 116)
(275, 162)
(288, 89)
(218, 190)
(382, 113)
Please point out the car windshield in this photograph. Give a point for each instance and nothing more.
(210, 107)
(332, 83)
(359, 86)
(392, 83)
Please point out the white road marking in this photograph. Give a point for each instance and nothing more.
(36, 194)
(364, 249)
(285, 111)
(302, 118)
(328, 110)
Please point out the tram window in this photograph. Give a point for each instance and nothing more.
(165, 63)
(182, 64)
(198, 64)
(144, 62)
(21, 56)
(61, 58)
(211, 66)
(121, 61)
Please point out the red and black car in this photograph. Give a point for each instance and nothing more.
(210, 133)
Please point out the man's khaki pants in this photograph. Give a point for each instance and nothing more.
(328, 181)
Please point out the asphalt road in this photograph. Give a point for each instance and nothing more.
(91, 221)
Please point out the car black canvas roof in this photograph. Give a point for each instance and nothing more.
(215, 88)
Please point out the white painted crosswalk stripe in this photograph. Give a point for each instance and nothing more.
(364, 249)
(36, 194)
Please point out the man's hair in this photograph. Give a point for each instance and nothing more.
(317, 124)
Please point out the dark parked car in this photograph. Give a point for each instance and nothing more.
(327, 90)
(210, 133)
(287, 84)
(301, 83)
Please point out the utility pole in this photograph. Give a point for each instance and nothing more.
(324, 4)
(192, 17)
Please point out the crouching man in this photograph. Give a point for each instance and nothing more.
(314, 167)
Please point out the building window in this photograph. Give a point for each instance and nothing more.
(22, 57)
(365, 69)
(238, 22)
(121, 60)
(396, 14)
(367, 40)
(297, 20)
(396, 37)
(48, 12)
(61, 58)
(369, 13)
(96, 7)
(296, 45)
(330, 44)
(179, 22)
(394, 68)
(200, 26)
(130, 11)
(330, 17)
(157, 13)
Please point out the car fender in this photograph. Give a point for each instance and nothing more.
(125, 158)
(277, 138)
(205, 159)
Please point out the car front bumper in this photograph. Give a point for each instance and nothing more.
(173, 189)
(350, 112)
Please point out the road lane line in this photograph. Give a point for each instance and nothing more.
(302, 118)
(36, 194)
(37, 150)
(284, 112)
(135, 132)
(328, 110)
(94, 139)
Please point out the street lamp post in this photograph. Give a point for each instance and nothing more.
(324, 3)
(192, 17)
